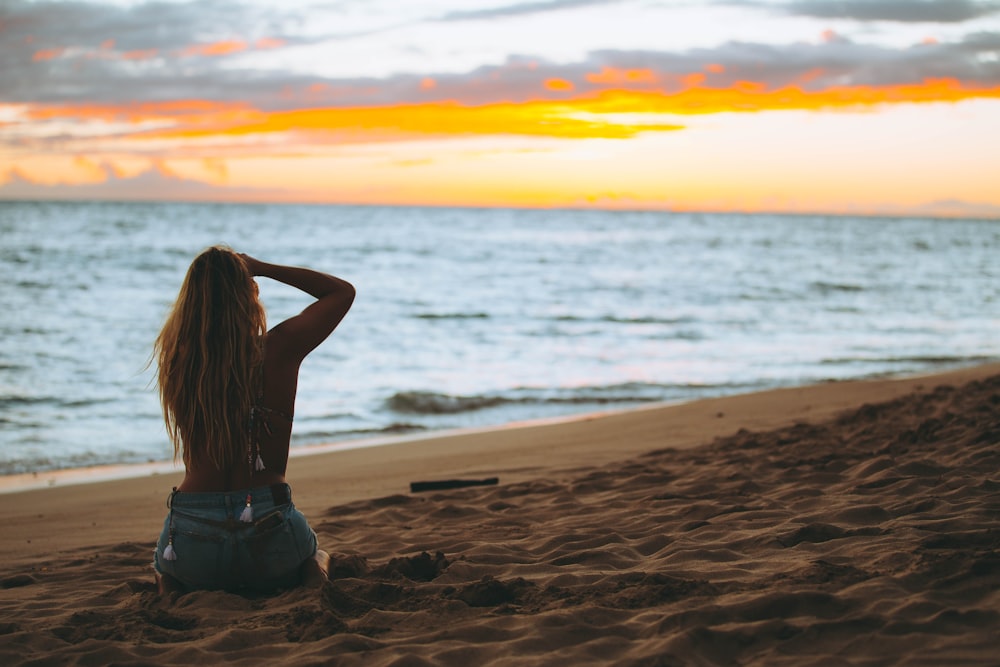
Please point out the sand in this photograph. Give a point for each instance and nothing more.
(853, 523)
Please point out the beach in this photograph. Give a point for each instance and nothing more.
(838, 523)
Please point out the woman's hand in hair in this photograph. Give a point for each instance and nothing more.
(254, 265)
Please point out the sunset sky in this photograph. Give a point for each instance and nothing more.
(852, 106)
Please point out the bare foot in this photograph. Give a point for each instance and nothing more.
(316, 570)
(166, 584)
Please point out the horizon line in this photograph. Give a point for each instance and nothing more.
(523, 207)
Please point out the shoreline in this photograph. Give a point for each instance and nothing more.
(65, 477)
(37, 523)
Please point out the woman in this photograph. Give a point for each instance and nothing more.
(227, 386)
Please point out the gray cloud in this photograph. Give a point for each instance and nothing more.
(153, 25)
(812, 66)
(520, 9)
(169, 27)
(836, 63)
(904, 11)
(96, 39)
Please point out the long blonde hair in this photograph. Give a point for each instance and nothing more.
(210, 354)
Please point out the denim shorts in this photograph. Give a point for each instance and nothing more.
(214, 549)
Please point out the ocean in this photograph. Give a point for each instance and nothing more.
(476, 317)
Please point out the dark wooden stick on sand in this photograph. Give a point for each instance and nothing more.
(417, 487)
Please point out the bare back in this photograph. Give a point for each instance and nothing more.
(285, 347)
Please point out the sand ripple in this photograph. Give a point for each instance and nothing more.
(871, 539)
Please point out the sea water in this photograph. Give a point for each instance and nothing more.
(474, 317)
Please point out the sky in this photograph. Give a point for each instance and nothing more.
(882, 107)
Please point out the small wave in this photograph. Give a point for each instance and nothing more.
(33, 284)
(127, 225)
(617, 319)
(393, 428)
(26, 331)
(823, 286)
(432, 403)
(12, 401)
(85, 402)
(27, 466)
(646, 320)
(12, 367)
(400, 427)
(21, 401)
(435, 403)
(452, 316)
(320, 437)
(683, 334)
(929, 359)
(82, 460)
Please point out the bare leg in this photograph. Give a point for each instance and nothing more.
(166, 584)
(316, 570)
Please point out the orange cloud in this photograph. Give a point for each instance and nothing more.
(14, 174)
(269, 43)
(559, 85)
(139, 54)
(89, 171)
(215, 48)
(750, 87)
(693, 80)
(48, 54)
(118, 171)
(192, 111)
(608, 114)
(614, 76)
(126, 167)
(164, 170)
(808, 76)
(217, 168)
(750, 96)
(107, 50)
(539, 118)
(51, 170)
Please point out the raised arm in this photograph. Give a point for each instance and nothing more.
(297, 336)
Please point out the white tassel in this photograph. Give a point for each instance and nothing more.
(247, 515)
(168, 552)
(260, 464)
